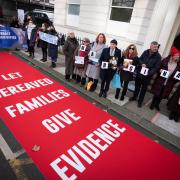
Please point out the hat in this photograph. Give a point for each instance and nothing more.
(174, 51)
(114, 41)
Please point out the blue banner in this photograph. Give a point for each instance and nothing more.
(48, 38)
(12, 38)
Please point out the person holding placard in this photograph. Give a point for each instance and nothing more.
(130, 58)
(53, 48)
(31, 35)
(164, 84)
(149, 63)
(43, 44)
(93, 68)
(69, 48)
(109, 61)
(174, 105)
(81, 60)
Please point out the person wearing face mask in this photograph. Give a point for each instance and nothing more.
(149, 63)
(163, 86)
(31, 34)
(69, 48)
(109, 61)
(43, 44)
(80, 69)
(53, 48)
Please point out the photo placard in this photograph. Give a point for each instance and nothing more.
(79, 60)
(104, 65)
(82, 48)
(144, 71)
(164, 73)
(177, 75)
(92, 54)
(131, 68)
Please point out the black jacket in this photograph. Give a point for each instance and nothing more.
(105, 56)
(152, 62)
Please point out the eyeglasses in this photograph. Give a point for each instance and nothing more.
(131, 48)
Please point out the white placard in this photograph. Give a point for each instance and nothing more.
(144, 71)
(177, 75)
(79, 60)
(92, 54)
(164, 73)
(82, 48)
(131, 68)
(21, 16)
(104, 65)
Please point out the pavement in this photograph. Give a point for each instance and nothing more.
(15, 163)
(153, 121)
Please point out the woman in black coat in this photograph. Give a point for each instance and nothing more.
(53, 48)
(112, 56)
(43, 44)
(131, 54)
(162, 86)
(174, 105)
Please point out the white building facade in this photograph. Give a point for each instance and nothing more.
(128, 21)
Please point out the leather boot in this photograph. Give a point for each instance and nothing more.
(78, 79)
(83, 81)
(101, 93)
(117, 93)
(153, 103)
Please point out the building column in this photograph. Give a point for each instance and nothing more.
(157, 20)
(170, 24)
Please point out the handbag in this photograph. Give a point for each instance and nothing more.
(89, 85)
(116, 81)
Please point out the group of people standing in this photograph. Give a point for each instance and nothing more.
(107, 61)
(32, 36)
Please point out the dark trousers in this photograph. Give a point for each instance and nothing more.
(125, 87)
(30, 47)
(141, 84)
(44, 53)
(107, 77)
(157, 99)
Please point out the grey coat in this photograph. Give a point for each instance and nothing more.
(69, 48)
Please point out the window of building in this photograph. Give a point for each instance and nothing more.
(121, 10)
(73, 7)
(73, 11)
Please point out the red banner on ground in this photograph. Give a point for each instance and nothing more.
(67, 137)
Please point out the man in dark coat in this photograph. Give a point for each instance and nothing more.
(151, 60)
(111, 56)
(70, 45)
